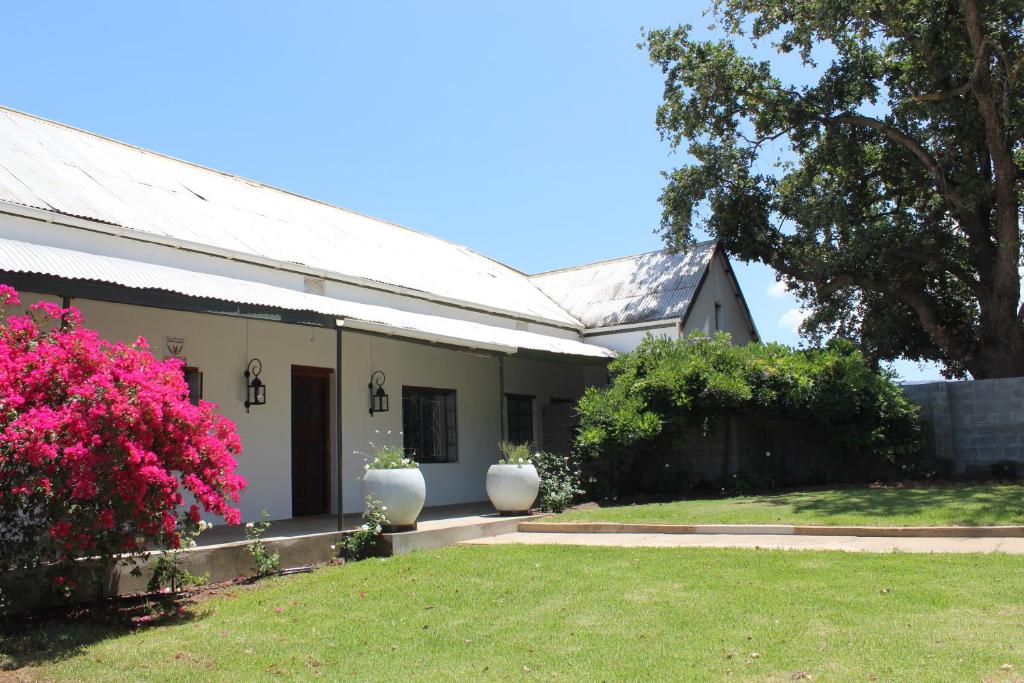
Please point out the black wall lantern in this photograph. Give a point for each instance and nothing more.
(255, 389)
(378, 397)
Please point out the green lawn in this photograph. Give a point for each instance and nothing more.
(971, 505)
(571, 614)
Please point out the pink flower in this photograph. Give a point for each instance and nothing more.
(102, 436)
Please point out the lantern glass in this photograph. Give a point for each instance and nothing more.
(255, 389)
(259, 392)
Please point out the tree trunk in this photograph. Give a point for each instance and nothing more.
(999, 355)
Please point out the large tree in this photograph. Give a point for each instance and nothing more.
(885, 188)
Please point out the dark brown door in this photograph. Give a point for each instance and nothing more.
(311, 439)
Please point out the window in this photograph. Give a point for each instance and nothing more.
(520, 418)
(194, 380)
(428, 424)
(718, 316)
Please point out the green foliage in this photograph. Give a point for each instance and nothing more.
(514, 453)
(559, 480)
(390, 458)
(362, 543)
(665, 391)
(266, 562)
(884, 185)
(168, 573)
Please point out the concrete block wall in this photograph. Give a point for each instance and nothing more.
(975, 424)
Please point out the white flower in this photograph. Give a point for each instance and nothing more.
(376, 529)
(248, 525)
(366, 466)
(365, 527)
(529, 462)
(383, 508)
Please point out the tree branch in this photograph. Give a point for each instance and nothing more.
(939, 95)
(924, 309)
(914, 147)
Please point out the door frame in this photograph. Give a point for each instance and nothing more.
(325, 374)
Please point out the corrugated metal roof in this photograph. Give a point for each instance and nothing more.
(634, 289)
(24, 257)
(57, 168)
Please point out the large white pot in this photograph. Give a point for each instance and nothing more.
(512, 488)
(401, 491)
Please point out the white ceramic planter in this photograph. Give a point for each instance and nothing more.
(402, 492)
(512, 488)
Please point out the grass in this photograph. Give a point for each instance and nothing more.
(568, 613)
(937, 505)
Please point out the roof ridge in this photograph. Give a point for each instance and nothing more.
(582, 266)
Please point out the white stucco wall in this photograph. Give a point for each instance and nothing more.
(719, 288)
(627, 340)
(221, 346)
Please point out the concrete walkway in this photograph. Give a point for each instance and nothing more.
(848, 543)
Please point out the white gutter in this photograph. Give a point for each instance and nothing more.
(70, 221)
(391, 331)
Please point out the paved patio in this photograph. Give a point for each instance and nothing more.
(432, 518)
(847, 543)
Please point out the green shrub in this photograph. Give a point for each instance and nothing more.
(362, 542)
(266, 562)
(666, 391)
(559, 480)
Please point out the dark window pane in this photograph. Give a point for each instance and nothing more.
(520, 418)
(194, 380)
(429, 427)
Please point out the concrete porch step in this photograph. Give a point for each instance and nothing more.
(438, 533)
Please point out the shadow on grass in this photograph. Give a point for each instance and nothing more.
(962, 505)
(49, 636)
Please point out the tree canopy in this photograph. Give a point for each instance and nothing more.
(887, 192)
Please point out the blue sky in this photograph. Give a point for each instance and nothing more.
(523, 130)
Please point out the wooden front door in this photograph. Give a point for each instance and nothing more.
(311, 440)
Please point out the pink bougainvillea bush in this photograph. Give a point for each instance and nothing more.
(98, 442)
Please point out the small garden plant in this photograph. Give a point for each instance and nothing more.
(388, 457)
(169, 576)
(362, 543)
(266, 562)
(560, 477)
(514, 453)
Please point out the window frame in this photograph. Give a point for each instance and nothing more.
(187, 370)
(509, 398)
(452, 441)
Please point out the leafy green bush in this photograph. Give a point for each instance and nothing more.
(666, 391)
(559, 480)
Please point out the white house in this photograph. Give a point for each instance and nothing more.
(222, 271)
